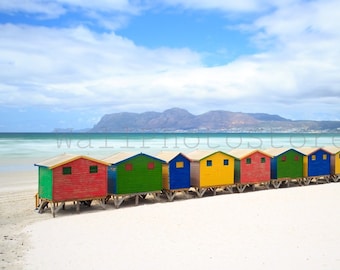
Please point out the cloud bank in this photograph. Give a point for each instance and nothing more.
(294, 73)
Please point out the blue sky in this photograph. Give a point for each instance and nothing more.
(66, 63)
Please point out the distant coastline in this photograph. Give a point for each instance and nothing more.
(177, 120)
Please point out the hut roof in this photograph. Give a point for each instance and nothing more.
(62, 159)
(242, 153)
(167, 156)
(122, 156)
(278, 151)
(310, 150)
(198, 155)
(332, 149)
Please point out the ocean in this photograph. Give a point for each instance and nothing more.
(20, 151)
(31, 145)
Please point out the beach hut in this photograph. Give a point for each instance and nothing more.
(70, 177)
(286, 165)
(211, 170)
(251, 167)
(133, 174)
(317, 164)
(335, 161)
(175, 173)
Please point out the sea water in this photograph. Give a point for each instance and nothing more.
(31, 145)
(20, 151)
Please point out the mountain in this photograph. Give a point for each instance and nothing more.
(180, 120)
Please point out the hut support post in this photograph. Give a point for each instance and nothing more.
(241, 187)
(77, 206)
(101, 202)
(276, 183)
(55, 209)
(170, 195)
(200, 192)
(117, 201)
(335, 177)
(42, 206)
(307, 180)
(230, 189)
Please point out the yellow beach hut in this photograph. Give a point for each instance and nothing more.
(335, 161)
(211, 170)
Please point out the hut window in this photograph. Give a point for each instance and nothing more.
(296, 158)
(67, 170)
(179, 164)
(209, 163)
(226, 162)
(263, 160)
(248, 161)
(313, 157)
(151, 165)
(284, 158)
(94, 169)
(128, 167)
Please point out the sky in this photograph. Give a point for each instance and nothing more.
(66, 63)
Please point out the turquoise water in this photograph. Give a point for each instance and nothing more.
(30, 145)
(19, 151)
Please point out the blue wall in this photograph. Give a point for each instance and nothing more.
(319, 166)
(179, 177)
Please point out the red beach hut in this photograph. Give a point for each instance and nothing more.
(251, 167)
(70, 177)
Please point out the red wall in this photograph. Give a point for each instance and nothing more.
(81, 184)
(256, 171)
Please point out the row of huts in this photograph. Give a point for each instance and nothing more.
(70, 177)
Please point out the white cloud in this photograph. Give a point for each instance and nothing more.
(49, 9)
(296, 76)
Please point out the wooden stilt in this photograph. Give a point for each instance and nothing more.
(241, 187)
(118, 200)
(77, 206)
(42, 206)
(230, 189)
(136, 199)
(102, 203)
(276, 183)
(170, 195)
(335, 177)
(214, 190)
(200, 192)
(306, 181)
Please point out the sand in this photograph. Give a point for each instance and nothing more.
(288, 228)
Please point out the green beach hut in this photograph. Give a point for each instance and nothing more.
(131, 173)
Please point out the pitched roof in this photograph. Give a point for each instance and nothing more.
(168, 155)
(201, 154)
(310, 150)
(65, 158)
(242, 153)
(122, 156)
(278, 151)
(332, 149)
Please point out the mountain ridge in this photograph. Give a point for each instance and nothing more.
(181, 120)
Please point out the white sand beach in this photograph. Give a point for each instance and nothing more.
(288, 228)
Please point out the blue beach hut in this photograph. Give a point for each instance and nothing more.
(317, 163)
(176, 170)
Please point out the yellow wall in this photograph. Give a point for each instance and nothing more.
(165, 176)
(305, 166)
(218, 174)
(337, 163)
